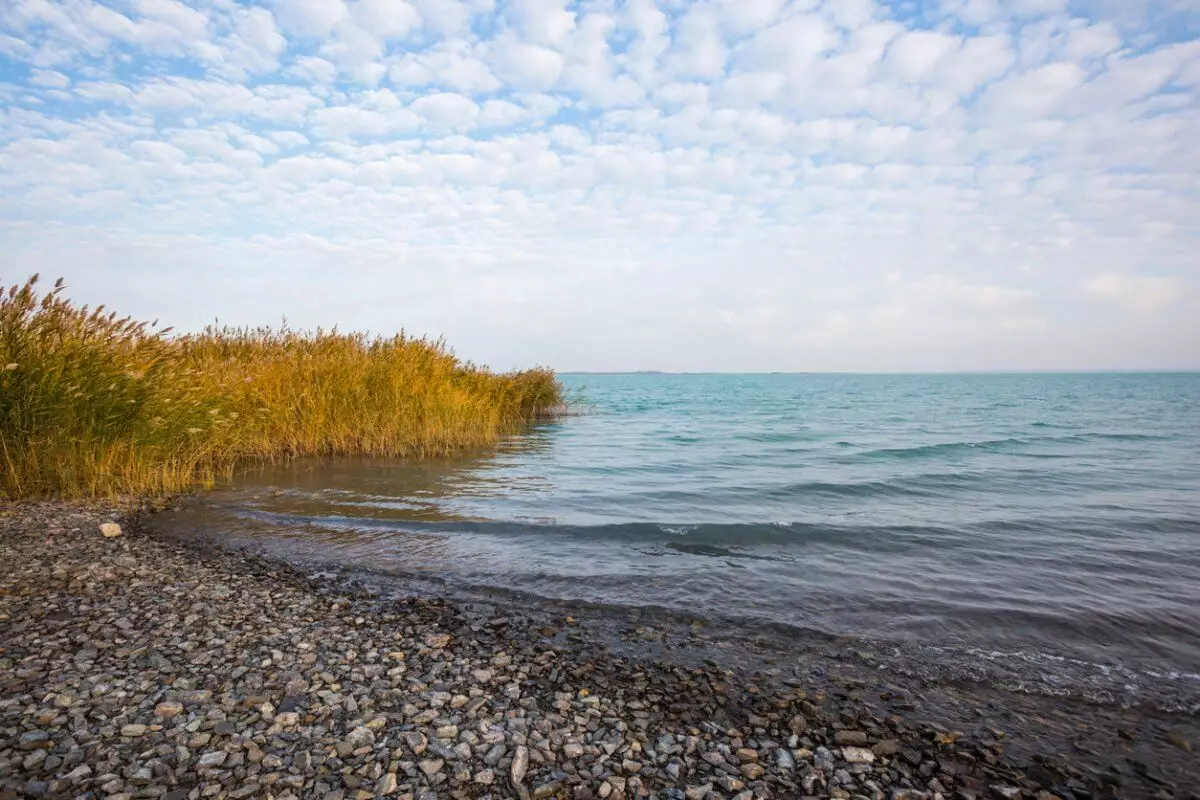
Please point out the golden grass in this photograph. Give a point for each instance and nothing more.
(96, 405)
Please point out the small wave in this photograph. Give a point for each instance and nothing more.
(1012, 442)
(764, 534)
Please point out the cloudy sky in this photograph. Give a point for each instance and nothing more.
(624, 184)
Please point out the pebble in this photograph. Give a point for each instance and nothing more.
(858, 755)
(149, 670)
(416, 742)
(855, 738)
(520, 765)
(168, 710)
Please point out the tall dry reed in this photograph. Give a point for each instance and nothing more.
(93, 404)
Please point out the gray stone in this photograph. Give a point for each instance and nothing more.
(858, 755)
(854, 738)
(386, 784)
(416, 741)
(520, 765)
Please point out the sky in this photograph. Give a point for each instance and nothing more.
(722, 185)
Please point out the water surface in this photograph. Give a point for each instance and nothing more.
(1040, 532)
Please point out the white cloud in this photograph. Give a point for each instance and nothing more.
(312, 18)
(1139, 293)
(546, 22)
(253, 47)
(388, 19)
(526, 66)
(452, 64)
(49, 78)
(446, 110)
(1032, 94)
(789, 45)
(912, 56)
(699, 49)
(313, 69)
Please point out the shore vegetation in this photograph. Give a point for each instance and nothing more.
(93, 404)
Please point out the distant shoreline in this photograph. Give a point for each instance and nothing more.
(964, 373)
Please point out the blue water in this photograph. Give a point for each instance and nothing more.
(1039, 530)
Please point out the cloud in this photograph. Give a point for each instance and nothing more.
(446, 110)
(524, 65)
(690, 184)
(1142, 293)
(49, 79)
(310, 18)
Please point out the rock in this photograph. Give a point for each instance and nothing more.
(752, 771)
(133, 731)
(747, 754)
(784, 760)
(854, 738)
(698, 792)
(168, 710)
(416, 742)
(630, 767)
(888, 747)
(437, 641)
(858, 755)
(823, 759)
(386, 784)
(361, 736)
(798, 724)
(195, 697)
(34, 740)
(730, 783)
(288, 719)
(110, 530)
(520, 765)
(485, 777)
(212, 760)
(1005, 792)
(572, 750)
(431, 766)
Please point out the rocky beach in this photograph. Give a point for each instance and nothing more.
(137, 667)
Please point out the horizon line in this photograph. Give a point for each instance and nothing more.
(1084, 371)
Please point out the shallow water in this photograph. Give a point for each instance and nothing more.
(1037, 532)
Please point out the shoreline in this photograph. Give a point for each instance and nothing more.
(142, 667)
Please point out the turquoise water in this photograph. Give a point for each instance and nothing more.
(1039, 530)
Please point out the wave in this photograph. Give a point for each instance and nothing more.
(1008, 443)
(702, 539)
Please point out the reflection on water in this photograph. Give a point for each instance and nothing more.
(389, 489)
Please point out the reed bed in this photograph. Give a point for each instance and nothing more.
(92, 404)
